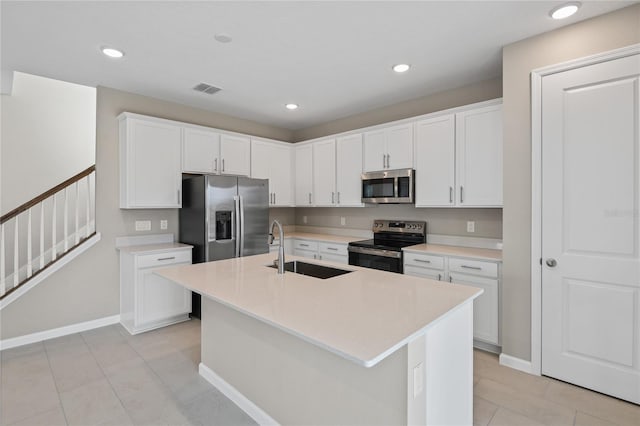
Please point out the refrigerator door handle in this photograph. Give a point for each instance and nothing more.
(241, 235)
(238, 219)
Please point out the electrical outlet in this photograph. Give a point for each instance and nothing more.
(343, 221)
(143, 225)
(304, 219)
(163, 224)
(471, 226)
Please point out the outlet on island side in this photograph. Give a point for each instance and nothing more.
(471, 226)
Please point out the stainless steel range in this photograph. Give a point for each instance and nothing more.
(384, 251)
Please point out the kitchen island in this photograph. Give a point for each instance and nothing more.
(366, 347)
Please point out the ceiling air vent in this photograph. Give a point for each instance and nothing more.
(206, 88)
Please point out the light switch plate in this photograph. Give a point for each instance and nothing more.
(163, 224)
(304, 219)
(471, 226)
(143, 225)
(343, 221)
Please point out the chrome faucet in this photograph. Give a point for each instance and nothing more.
(280, 260)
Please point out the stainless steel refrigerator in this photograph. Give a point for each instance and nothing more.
(223, 217)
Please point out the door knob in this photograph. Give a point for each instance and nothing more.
(551, 263)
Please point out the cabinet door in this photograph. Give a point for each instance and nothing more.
(324, 172)
(151, 165)
(400, 147)
(261, 157)
(281, 171)
(374, 151)
(159, 299)
(479, 157)
(304, 175)
(485, 307)
(349, 171)
(200, 149)
(435, 162)
(234, 155)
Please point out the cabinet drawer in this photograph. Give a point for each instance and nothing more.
(305, 245)
(424, 260)
(333, 248)
(473, 267)
(167, 258)
(415, 271)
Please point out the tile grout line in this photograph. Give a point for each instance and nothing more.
(106, 377)
(55, 383)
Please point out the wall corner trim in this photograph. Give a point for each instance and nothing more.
(255, 412)
(517, 364)
(58, 332)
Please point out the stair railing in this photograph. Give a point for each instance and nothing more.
(56, 232)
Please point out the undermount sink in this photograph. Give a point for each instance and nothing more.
(312, 270)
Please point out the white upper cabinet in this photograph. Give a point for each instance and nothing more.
(479, 157)
(458, 159)
(435, 162)
(389, 148)
(349, 170)
(235, 155)
(324, 172)
(274, 161)
(207, 151)
(200, 150)
(304, 175)
(150, 169)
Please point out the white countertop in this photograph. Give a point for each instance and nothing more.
(362, 316)
(327, 238)
(470, 252)
(154, 248)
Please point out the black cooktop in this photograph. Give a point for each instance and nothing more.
(383, 245)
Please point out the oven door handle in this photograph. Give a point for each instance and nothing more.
(375, 252)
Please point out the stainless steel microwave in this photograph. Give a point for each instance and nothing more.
(388, 187)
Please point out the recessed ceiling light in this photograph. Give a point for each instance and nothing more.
(223, 38)
(112, 53)
(291, 106)
(401, 68)
(565, 10)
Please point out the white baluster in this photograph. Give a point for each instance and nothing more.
(42, 235)
(88, 206)
(29, 244)
(77, 201)
(66, 219)
(3, 289)
(54, 219)
(16, 255)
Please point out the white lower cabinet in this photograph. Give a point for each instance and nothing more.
(148, 301)
(320, 250)
(476, 273)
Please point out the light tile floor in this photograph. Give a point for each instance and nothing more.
(108, 377)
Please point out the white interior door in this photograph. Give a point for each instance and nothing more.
(590, 227)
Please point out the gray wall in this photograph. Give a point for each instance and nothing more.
(607, 32)
(88, 288)
(475, 92)
(440, 221)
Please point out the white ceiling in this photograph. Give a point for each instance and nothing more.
(333, 58)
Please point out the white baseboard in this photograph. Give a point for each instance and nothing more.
(516, 363)
(58, 332)
(255, 412)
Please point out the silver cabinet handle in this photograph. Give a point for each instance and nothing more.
(271, 198)
(450, 279)
(423, 260)
(223, 164)
(461, 192)
(315, 256)
(384, 159)
(215, 165)
(338, 197)
(475, 268)
(166, 258)
(551, 263)
(332, 248)
(388, 161)
(451, 194)
(274, 198)
(319, 257)
(333, 198)
(178, 193)
(309, 198)
(439, 277)
(304, 245)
